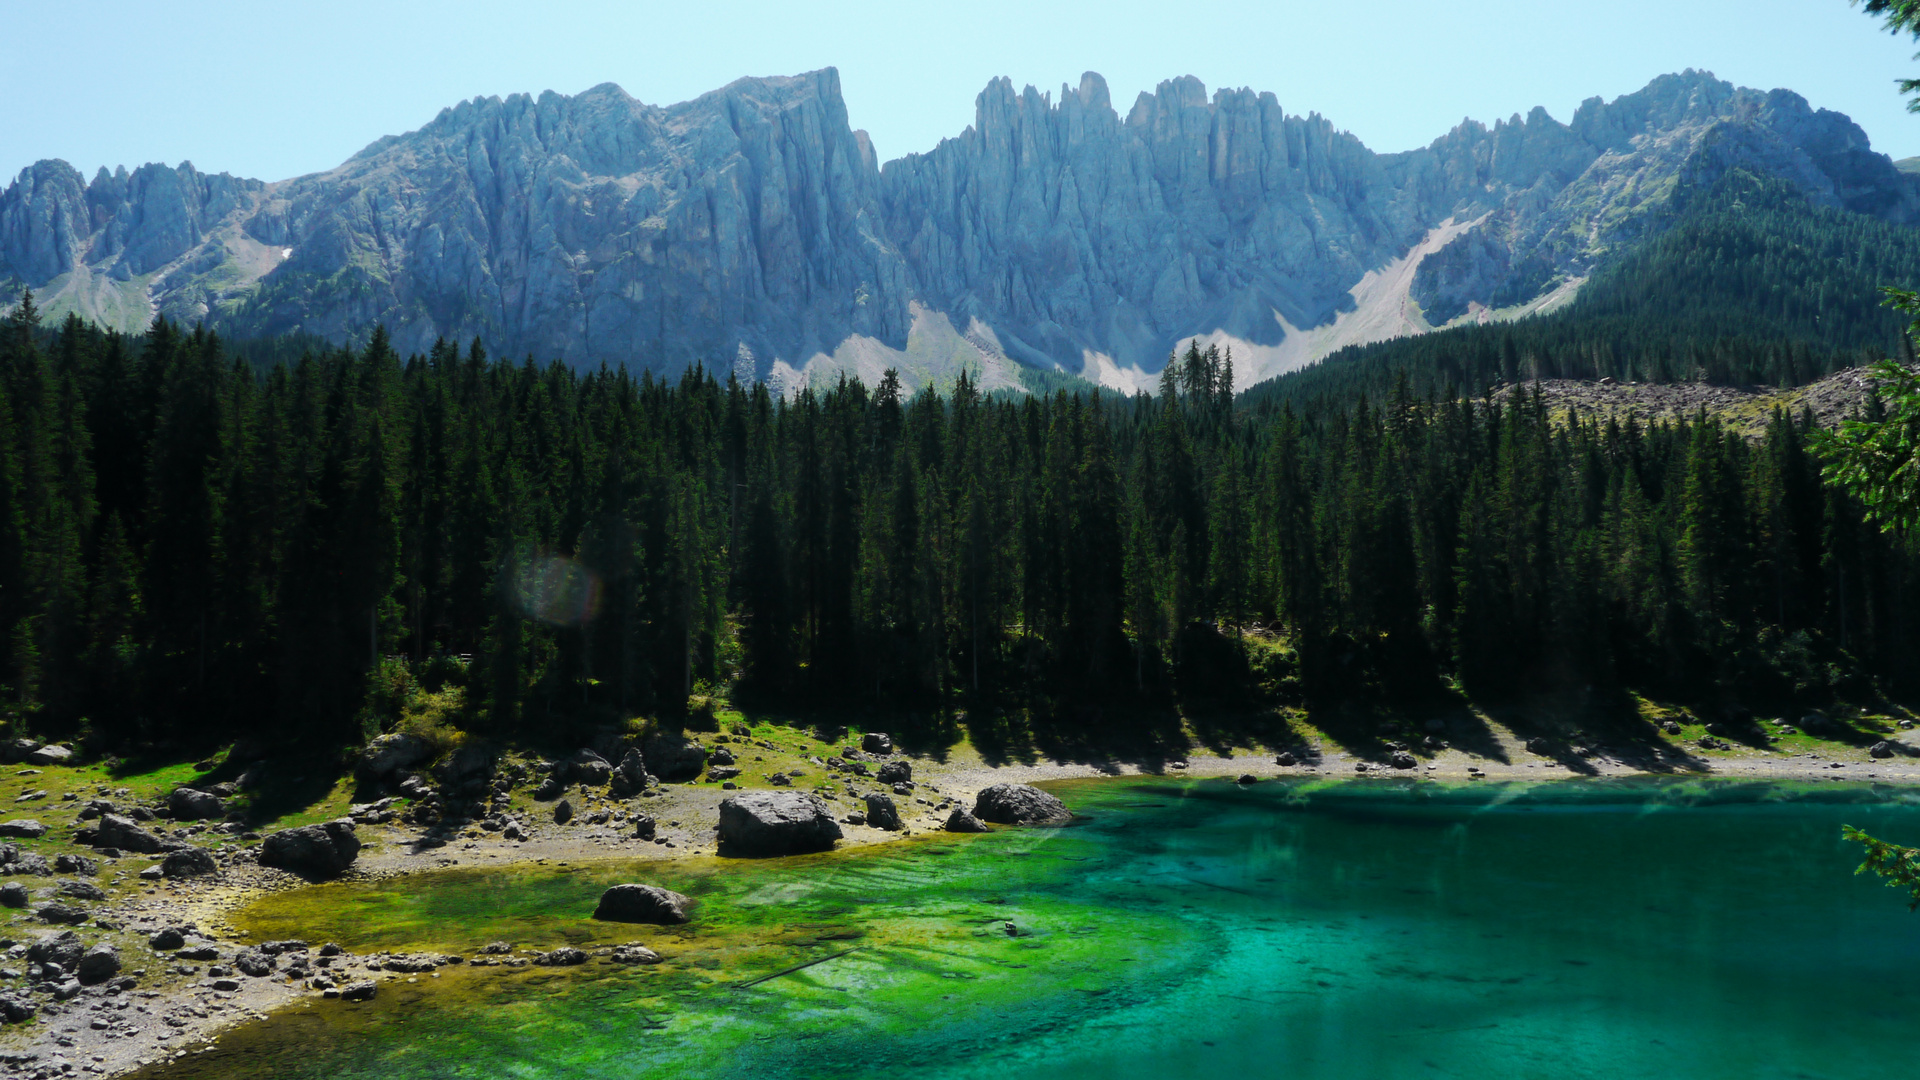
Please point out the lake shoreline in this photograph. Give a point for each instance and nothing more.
(198, 1014)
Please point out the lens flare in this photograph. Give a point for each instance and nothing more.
(555, 589)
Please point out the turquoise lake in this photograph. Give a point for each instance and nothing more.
(1354, 929)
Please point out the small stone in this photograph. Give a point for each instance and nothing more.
(359, 991)
(565, 956)
(230, 985)
(633, 953)
(167, 939)
(1402, 760)
(563, 811)
(1285, 757)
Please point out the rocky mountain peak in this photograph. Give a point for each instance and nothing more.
(753, 227)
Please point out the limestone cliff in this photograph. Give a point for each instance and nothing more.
(753, 230)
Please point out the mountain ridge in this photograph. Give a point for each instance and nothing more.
(752, 228)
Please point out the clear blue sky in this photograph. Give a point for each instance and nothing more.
(275, 89)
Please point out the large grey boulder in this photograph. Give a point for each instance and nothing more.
(642, 904)
(630, 776)
(98, 964)
(188, 862)
(187, 804)
(321, 851)
(1019, 804)
(389, 754)
(775, 823)
(675, 757)
(13, 895)
(882, 814)
(587, 767)
(895, 772)
(23, 829)
(50, 755)
(126, 834)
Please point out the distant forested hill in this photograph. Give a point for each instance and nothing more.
(1747, 283)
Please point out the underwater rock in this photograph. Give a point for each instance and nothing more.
(1247, 778)
(775, 823)
(882, 814)
(643, 904)
(1019, 804)
(633, 953)
(961, 821)
(322, 850)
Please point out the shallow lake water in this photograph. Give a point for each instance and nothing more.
(1310, 929)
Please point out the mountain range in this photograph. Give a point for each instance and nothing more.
(753, 229)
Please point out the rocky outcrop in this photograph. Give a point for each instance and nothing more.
(1019, 804)
(643, 904)
(320, 851)
(761, 823)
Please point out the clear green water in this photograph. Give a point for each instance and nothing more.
(1183, 929)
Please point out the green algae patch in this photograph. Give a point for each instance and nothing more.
(867, 956)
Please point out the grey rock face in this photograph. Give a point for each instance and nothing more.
(775, 823)
(894, 772)
(23, 829)
(1019, 804)
(753, 226)
(323, 850)
(643, 904)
